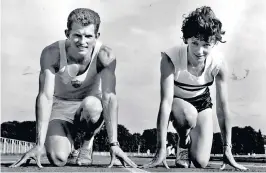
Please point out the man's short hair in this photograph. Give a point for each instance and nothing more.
(202, 24)
(84, 17)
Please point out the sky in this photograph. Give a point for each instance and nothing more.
(137, 31)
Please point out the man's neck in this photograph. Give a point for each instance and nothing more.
(79, 59)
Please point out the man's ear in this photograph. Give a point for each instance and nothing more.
(98, 35)
(67, 33)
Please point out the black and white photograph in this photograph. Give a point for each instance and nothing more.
(133, 86)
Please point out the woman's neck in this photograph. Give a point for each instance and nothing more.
(193, 62)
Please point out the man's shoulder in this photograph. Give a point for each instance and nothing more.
(50, 54)
(106, 55)
(52, 49)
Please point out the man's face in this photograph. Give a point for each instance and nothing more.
(82, 38)
(199, 49)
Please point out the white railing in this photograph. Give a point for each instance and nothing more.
(13, 146)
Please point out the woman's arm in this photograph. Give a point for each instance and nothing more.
(167, 93)
(222, 105)
(222, 109)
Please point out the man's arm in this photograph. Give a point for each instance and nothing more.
(223, 115)
(109, 100)
(44, 98)
(110, 104)
(43, 107)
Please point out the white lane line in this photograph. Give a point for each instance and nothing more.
(254, 166)
(133, 170)
(141, 170)
(6, 162)
(136, 170)
(247, 165)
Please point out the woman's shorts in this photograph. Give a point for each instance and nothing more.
(200, 102)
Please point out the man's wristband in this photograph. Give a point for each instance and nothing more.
(228, 145)
(114, 144)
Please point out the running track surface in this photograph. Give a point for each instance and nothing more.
(100, 163)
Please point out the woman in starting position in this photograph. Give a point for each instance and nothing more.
(186, 73)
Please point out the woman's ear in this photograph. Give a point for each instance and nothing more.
(98, 35)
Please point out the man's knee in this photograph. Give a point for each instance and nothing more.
(92, 107)
(57, 158)
(58, 147)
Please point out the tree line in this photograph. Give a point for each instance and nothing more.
(244, 140)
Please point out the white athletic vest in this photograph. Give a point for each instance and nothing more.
(63, 87)
(186, 84)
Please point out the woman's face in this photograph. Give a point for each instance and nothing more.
(198, 49)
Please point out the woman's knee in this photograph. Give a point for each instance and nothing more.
(201, 137)
(191, 116)
(200, 162)
(185, 113)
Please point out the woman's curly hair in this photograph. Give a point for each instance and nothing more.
(202, 24)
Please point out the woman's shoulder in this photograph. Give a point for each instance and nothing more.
(175, 53)
(174, 50)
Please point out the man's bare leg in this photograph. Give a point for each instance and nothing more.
(91, 120)
(59, 142)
